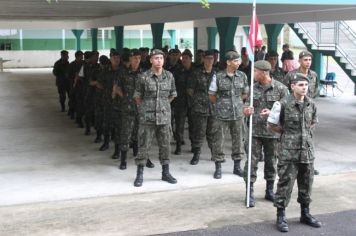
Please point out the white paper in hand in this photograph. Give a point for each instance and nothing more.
(275, 113)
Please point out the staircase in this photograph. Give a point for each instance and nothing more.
(334, 39)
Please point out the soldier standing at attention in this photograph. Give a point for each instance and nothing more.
(297, 118)
(276, 72)
(227, 90)
(266, 91)
(60, 70)
(155, 89)
(202, 110)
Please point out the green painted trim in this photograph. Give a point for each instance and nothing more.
(157, 33)
(94, 39)
(211, 31)
(273, 31)
(173, 34)
(77, 33)
(119, 37)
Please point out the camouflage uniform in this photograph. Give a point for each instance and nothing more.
(154, 113)
(91, 75)
(60, 70)
(262, 138)
(279, 75)
(296, 160)
(73, 70)
(313, 81)
(81, 88)
(228, 91)
(202, 110)
(129, 121)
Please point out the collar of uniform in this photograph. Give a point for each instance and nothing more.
(224, 73)
(139, 70)
(153, 75)
(271, 85)
(300, 71)
(205, 72)
(306, 100)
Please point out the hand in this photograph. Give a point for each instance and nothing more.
(264, 113)
(248, 111)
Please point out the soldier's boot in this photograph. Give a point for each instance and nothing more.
(252, 196)
(217, 173)
(63, 107)
(178, 150)
(116, 154)
(237, 169)
(105, 145)
(307, 218)
(149, 163)
(316, 172)
(269, 191)
(98, 138)
(282, 224)
(135, 148)
(166, 176)
(196, 156)
(123, 163)
(139, 176)
(87, 129)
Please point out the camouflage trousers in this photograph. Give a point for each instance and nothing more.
(128, 131)
(288, 172)
(72, 100)
(203, 126)
(99, 113)
(221, 128)
(190, 124)
(180, 115)
(90, 108)
(269, 147)
(79, 101)
(63, 89)
(146, 132)
(108, 118)
(115, 123)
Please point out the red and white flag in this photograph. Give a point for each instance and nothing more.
(254, 37)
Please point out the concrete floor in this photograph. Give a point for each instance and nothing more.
(54, 181)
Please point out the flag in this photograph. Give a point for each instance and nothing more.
(254, 37)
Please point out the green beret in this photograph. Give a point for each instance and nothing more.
(155, 52)
(263, 65)
(299, 77)
(232, 55)
(305, 54)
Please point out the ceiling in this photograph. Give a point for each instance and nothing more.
(78, 14)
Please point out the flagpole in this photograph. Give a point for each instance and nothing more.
(253, 30)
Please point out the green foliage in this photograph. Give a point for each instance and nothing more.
(205, 4)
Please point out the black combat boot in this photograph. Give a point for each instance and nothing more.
(252, 196)
(106, 143)
(217, 173)
(178, 150)
(149, 163)
(269, 191)
(116, 154)
(166, 176)
(307, 218)
(139, 176)
(123, 160)
(87, 129)
(282, 224)
(237, 169)
(135, 148)
(196, 156)
(316, 172)
(98, 138)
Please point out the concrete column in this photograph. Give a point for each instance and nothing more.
(94, 39)
(211, 31)
(317, 65)
(77, 33)
(195, 40)
(119, 37)
(246, 30)
(157, 34)
(63, 39)
(21, 39)
(226, 28)
(273, 31)
(173, 35)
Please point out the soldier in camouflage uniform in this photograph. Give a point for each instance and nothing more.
(297, 118)
(202, 110)
(305, 61)
(73, 70)
(180, 104)
(276, 72)
(125, 88)
(60, 70)
(154, 91)
(227, 90)
(266, 91)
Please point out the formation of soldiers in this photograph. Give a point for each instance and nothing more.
(130, 98)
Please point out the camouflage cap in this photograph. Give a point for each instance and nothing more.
(263, 65)
(305, 54)
(155, 52)
(299, 77)
(232, 55)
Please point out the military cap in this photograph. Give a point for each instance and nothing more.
(272, 53)
(64, 52)
(209, 53)
(174, 50)
(135, 52)
(216, 51)
(232, 55)
(114, 53)
(305, 54)
(299, 77)
(187, 52)
(263, 65)
(156, 52)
